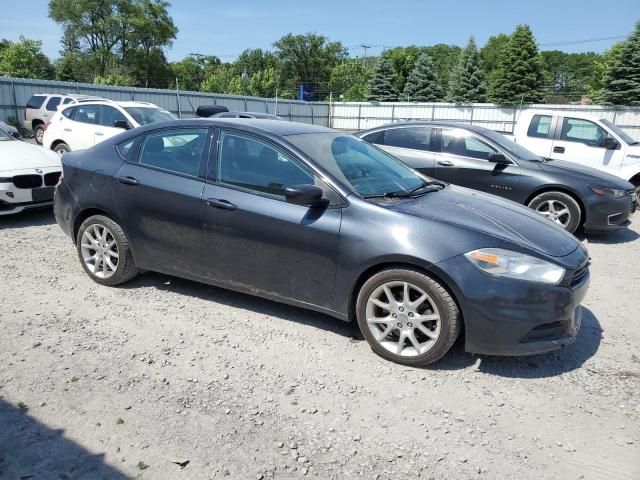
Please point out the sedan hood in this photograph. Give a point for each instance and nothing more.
(595, 177)
(16, 155)
(491, 215)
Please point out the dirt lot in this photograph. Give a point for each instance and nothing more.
(168, 379)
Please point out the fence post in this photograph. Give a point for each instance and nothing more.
(393, 112)
(471, 119)
(313, 116)
(433, 112)
(615, 115)
(359, 115)
(15, 100)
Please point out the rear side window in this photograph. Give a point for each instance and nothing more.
(36, 101)
(416, 138)
(540, 126)
(87, 114)
(178, 151)
(376, 138)
(52, 104)
(127, 150)
(67, 101)
(68, 112)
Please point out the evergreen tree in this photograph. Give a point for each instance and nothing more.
(467, 84)
(381, 87)
(422, 83)
(519, 76)
(622, 80)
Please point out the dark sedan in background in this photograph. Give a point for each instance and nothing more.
(319, 219)
(479, 158)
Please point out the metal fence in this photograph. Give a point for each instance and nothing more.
(15, 92)
(359, 116)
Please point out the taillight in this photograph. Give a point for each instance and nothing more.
(46, 125)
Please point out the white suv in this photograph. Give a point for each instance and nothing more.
(82, 125)
(42, 107)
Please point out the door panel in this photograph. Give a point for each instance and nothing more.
(79, 133)
(540, 135)
(411, 144)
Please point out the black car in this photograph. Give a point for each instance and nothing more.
(478, 158)
(319, 219)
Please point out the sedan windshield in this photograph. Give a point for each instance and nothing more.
(147, 115)
(370, 171)
(517, 150)
(618, 131)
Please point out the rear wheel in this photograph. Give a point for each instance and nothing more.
(38, 133)
(103, 249)
(61, 148)
(558, 207)
(407, 317)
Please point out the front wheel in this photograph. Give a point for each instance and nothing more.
(61, 148)
(407, 317)
(559, 208)
(103, 249)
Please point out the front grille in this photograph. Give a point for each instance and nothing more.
(548, 331)
(27, 181)
(579, 276)
(51, 179)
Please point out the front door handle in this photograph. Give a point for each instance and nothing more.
(128, 180)
(100, 134)
(445, 163)
(222, 204)
(558, 149)
(68, 130)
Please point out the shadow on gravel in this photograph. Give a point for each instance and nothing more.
(31, 450)
(244, 301)
(546, 365)
(33, 218)
(619, 236)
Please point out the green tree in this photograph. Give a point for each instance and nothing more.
(567, 75)
(264, 83)
(445, 58)
(308, 59)
(25, 59)
(381, 85)
(622, 79)
(468, 83)
(422, 83)
(256, 60)
(191, 71)
(518, 78)
(223, 79)
(115, 79)
(491, 52)
(349, 81)
(595, 88)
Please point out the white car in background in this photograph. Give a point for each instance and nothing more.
(82, 125)
(28, 175)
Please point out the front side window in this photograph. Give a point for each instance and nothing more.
(249, 163)
(178, 151)
(110, 116)
(416, 138)
(147, 115)
(540, 126)
(583, 131)
(52, 104)
(369, 170)
(460, 143)
(87, 114)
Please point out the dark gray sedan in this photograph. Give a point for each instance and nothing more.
(475, 157)
(315, 218)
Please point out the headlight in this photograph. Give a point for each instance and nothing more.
(609, 192)
(505, 263)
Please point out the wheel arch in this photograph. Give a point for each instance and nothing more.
(35, 122)
(635, 180)
(55, 143)
(566, 191)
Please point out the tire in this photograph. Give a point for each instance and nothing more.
(61, 148)
(103, 267)
(438, 303)
(553, 204)
(38, 132)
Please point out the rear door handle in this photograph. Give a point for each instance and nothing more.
(445, 163)
(100, 134)
(68, 130)
(222, 204)
(128, 180)
(558, 149)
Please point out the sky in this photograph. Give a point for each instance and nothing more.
(226, 27)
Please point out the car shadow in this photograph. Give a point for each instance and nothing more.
(545, 365)
(31, 450)
(29, 218)
(565, 360)
(624, 235)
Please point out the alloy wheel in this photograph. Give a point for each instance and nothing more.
(39, 136)
(99, 250)
(556, 211)
(403, 318)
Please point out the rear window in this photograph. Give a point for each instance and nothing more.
(36, 101)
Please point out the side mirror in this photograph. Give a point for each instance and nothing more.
(610, 143)
(498, 158)
(121, 124)
(308, 195)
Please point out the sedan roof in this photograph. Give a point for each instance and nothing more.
(432, 123)
(276, 127)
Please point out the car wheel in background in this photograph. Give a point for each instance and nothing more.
(558, 207)
(407, 317)
(38, 133)
(103, 249)
(61, 148)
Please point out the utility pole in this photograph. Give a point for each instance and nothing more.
(365, 47)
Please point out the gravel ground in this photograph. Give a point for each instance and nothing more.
(169, 379)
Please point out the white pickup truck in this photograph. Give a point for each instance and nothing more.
(580, 138)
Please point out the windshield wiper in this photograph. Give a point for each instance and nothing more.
(433, 183)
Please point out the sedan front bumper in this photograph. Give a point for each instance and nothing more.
(503, 316)
(23, 190)
(605, 213)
